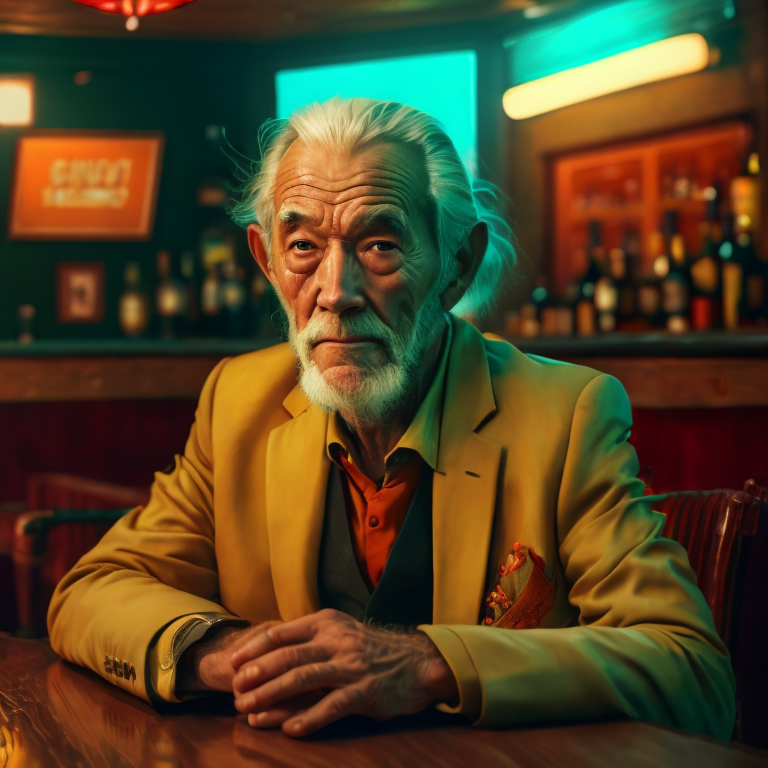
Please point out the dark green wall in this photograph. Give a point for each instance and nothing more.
(180, 88)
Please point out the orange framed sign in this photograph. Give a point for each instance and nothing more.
(85, 185)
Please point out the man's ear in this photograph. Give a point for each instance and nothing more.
(468, 259)
(259, 250)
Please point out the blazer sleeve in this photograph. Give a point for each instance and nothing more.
(154, 566)
(646, 646)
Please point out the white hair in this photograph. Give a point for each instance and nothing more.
(350, 125)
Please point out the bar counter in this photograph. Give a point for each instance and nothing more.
(54, 714)
(659, 370)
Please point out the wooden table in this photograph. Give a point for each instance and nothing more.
(53, 714)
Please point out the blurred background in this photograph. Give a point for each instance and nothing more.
(627, 135)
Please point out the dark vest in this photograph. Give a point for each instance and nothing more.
(403, 595)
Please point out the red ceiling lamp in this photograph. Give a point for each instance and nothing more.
(133, 9)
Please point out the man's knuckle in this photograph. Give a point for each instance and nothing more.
(338, 706)
(291, 657)
(302, 678)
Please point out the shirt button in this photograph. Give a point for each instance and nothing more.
(373, 521)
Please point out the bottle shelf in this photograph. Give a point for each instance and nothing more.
(696, 207)
(607, 213)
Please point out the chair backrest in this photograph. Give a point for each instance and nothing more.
(724, 533)
(755, 489)
(49, 490)
(710, 525)
(68, 516)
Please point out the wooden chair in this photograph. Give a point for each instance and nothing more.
(711, 525)
(725, 534)
(68, 515)
(753, 489)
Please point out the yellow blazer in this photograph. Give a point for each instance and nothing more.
(530, 450)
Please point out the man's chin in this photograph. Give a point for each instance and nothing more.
(345, 379)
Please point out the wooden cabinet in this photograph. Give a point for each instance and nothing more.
(627, 189)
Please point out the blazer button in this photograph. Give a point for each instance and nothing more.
(373, 521)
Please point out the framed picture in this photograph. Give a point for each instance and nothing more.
(85, 185)
(79, 292)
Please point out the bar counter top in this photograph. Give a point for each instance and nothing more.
(650, 344)
(659, 370)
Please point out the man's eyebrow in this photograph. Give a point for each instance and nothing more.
(389, 218)
(293, 218)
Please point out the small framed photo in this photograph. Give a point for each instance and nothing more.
(80, 292)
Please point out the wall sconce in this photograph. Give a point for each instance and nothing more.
(674, 56)
(16, 100)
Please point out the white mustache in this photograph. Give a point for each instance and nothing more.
(366, 324)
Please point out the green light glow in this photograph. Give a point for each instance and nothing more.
(605, 31)
(443, 85)
(726, 250)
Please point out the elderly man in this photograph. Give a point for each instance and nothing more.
(428, 517)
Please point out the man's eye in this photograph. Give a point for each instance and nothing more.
(302, 245)
(383, 246)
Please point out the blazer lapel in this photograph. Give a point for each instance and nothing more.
(297, 476)
(465, 483)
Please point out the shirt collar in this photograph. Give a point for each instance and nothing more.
(423, 433)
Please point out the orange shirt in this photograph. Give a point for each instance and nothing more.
(376, 510)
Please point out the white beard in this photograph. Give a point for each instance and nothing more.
(380, 389)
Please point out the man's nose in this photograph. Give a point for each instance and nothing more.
(339, 279)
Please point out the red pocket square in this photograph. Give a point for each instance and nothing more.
(524, 593)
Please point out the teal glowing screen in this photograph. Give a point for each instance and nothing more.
(442, 84)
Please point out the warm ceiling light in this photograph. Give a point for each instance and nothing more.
(133, 8)
(16, 100)
(658, 61)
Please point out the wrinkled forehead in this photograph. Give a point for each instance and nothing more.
(388, 175)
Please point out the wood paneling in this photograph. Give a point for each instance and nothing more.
(688, 383)
(102, 378)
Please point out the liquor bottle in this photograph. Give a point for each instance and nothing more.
(169, 299)
(732, 275)
(26, 315)
(623, 264)
(675, 287)
(260, 288)
(191, 294)
(566, 312)
(584, 313)
(546, 307)
(234, 299)
(606, 303)
(745, 197)
(619, 263)
(211, 300)
(529, 325)
(649, 284)
(752, 301)
(133, 306)
(706, 298)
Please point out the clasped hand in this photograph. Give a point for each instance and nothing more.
(307, 673)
